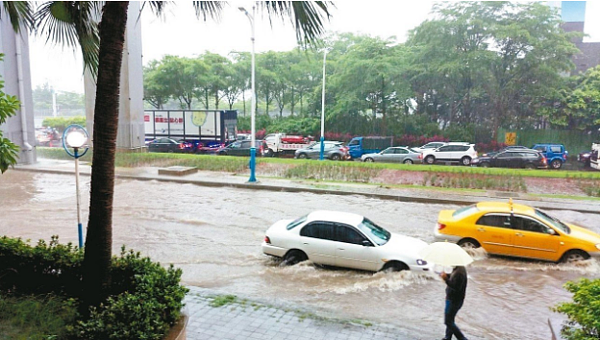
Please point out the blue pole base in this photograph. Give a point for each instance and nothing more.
(321, 156)
(80, 229)
(252, 178)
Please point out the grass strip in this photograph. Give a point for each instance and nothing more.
(35, 317)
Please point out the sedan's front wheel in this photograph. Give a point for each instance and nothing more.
(573, 256)
(408, 161)
(394, 266)
(369, 160)
(293, 257)
(335, 157)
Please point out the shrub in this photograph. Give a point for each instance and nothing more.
(144, 299)
(584, 312)
(60, 123)
(45, 268)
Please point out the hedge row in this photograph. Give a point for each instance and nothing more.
(144, 298)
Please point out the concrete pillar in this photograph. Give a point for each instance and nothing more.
(15, 72)
(131, 103)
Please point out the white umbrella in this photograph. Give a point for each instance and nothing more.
(445, 254)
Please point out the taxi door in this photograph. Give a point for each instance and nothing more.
(533, 239)
(494, 233)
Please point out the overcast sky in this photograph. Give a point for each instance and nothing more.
(181, 33)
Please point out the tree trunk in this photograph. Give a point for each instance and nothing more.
(98, 243)
(244, 100)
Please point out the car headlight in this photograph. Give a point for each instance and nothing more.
(598, 246)
(423, 262)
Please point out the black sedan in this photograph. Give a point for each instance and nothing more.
(167, 145)
(513, 159)
(241, 148)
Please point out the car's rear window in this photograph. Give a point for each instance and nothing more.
(296, 222)
(463, 212)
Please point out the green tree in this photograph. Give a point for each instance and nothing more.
(370, 73)
(580, 102)
(9, 152)
(488, 57)
(236, 81)
(219, 69)
(74, 23)
(583, 312)
(182, 77)
(42, 97)
(156, 92)
(266, 78)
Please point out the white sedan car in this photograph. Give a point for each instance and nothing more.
(343, 240)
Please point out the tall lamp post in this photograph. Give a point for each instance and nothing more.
(252, 178)
(76, 138)
(323, 109)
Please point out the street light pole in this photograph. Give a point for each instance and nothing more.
(252, 178)
(79, 226)
(76, 137)
(323, 109)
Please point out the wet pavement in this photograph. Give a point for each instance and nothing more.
(245, 319)
(179, 220)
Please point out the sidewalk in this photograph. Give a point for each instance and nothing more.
(247, 320)
(416, 195)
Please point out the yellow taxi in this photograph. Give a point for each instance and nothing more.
(510, 229)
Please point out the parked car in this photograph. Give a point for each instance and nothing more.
(368, 144)
(511, 229)
(343, 239)
(430, 145)
(510, 147)
(396, 154)
(332, 150)
(241, 148)
(584, 158)
(209, 147)
(454, 152)
(167, 145)
(554, 153)
(513, 158)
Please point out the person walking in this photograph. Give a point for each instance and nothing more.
(456, 288)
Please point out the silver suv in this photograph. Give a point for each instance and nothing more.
(454, 152)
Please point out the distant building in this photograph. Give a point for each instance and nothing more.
(573, 14)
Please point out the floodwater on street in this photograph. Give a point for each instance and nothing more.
(214, 235)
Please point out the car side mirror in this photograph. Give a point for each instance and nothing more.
(552, 232)
(366, 243)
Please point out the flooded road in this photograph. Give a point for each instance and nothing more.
(214, 235)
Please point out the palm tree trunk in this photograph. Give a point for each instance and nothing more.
(98, 243)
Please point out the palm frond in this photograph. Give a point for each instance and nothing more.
(211, 9)
(72, 24)
(306, 16)
(19, 13)
(157, 7)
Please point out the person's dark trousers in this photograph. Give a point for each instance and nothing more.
(452, 307)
